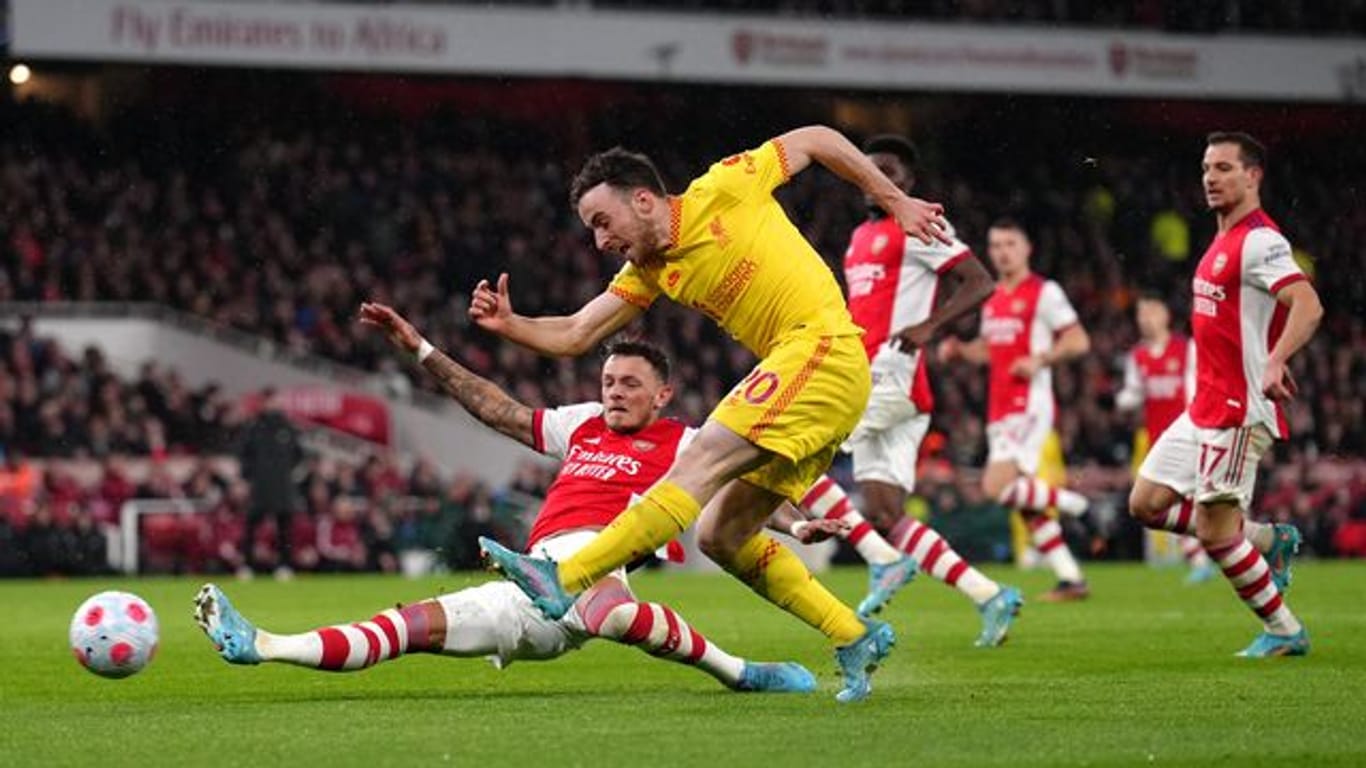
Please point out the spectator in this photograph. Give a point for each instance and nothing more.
(270, 452)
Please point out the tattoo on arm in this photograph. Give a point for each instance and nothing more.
(482, 398)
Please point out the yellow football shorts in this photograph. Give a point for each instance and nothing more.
(800, 402)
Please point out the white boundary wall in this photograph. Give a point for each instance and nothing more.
(663, 46)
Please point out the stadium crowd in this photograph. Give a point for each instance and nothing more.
(283, 228)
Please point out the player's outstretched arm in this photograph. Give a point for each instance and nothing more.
(1300, 323)
(477, 395)
(827, 146)
(562, 335)
(971, 286)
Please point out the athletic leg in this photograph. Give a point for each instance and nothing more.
(610, 611)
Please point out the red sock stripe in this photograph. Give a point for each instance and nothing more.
(642, 625)
(860, 530)
(1052, 497)
(1220, 551)
(817, 491)
(955, 573)
(917, 533)
(371, 644)
(699, 646)
(335, 648)
(839, 509)
(1034, 520)
(1271, 606)
(932, 556)
(1248, 591)
(1242, 566)
(672, 638)
(1051, 544)
(1184, 515)
(390, 633)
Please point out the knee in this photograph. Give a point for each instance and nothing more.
(1141, 507)
(716, 545)
(607, 610)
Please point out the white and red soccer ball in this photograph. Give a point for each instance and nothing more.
(114, 634)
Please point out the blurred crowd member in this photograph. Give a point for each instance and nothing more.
(269, 453)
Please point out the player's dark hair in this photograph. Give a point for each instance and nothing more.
(1250, 151)
(652, 354)
(900, 146)
(1007, 222)
(618, 168)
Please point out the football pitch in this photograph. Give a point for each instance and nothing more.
(1142, 674)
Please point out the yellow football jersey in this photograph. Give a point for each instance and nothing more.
(736, 257)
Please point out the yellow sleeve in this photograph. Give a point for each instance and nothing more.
(758, 170)
(631, 285)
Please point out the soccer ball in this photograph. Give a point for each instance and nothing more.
(114, 634)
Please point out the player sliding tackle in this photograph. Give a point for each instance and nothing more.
(1253, 308)
(726, 248)
(612, 449)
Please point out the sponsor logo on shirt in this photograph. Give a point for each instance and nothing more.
(862, 277)
(601, 465)
(1207, 297)
(1002, 330)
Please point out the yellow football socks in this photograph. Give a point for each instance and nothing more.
(661, 514)
(777, 574)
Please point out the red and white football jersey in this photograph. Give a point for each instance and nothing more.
(1236, 321)
(602, 469)
(893, 282)
(1019, 322)
(1162, 380)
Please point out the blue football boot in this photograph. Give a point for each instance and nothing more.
(884, 581)
(858, 660)
(998, 614)
(539, 579)
(231, 633)
(776, 677)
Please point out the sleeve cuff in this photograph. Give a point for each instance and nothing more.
(538, 430)
(953, 261)
(1287, 280)
(629, 297)
(782, 158)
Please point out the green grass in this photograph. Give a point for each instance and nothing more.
(1142, 674)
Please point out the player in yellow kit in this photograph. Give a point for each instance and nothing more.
(726, 248)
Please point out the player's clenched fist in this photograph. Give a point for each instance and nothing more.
(398, 331)
(491, 308)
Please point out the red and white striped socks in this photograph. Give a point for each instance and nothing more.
(347, 647)
(1248, 572)
(1034, 495)
(1046, 536)
(1180, 518)
(1194, 552)
(826, 499)
(938, 559)
(613, 613)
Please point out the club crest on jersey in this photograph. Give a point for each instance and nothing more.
(1220, 261)
(1017, 306)
(1172, 365)
(672, 279)
(878, 244)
